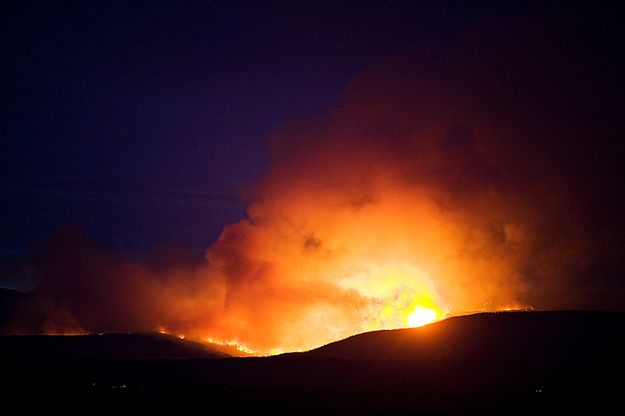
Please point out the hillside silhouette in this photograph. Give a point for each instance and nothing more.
(106, 346)
(557, 336)
(490, 363)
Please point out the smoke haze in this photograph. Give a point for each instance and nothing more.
(485, 178)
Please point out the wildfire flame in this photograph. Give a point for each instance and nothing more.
(421, 316)
(420, 194)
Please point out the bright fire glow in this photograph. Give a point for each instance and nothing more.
(238, 346)
(421, 316)
(381, 218)
(401, 294)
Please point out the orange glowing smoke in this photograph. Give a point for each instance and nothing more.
(422, 193)
(341, 248)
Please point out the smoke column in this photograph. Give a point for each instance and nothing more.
(484, 179)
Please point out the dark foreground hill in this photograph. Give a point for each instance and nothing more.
(508, 363)
(105, 346)
(557, 336)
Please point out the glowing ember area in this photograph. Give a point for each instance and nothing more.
(239, 347)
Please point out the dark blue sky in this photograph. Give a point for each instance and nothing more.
(140, 123)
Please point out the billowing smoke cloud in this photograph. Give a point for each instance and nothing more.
(484, 178)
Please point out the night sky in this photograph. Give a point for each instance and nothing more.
(145, 126)
(141, 123)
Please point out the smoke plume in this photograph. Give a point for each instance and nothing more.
(483, 178)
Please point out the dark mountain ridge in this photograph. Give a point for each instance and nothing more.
(490, 363)
(105, 346)
(555, 336)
